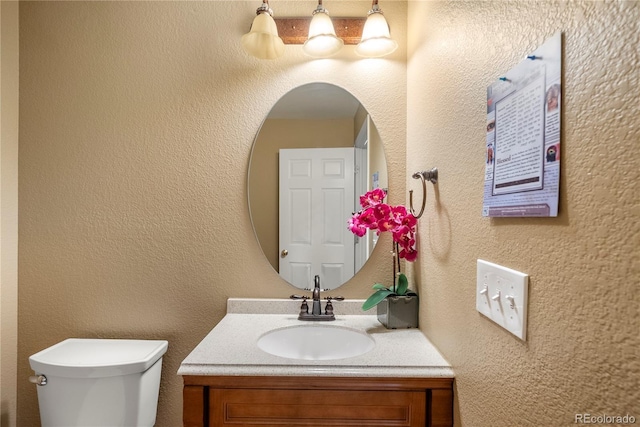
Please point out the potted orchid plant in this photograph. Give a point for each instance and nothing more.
(382, 217)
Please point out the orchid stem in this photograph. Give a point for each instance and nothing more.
(395, 260)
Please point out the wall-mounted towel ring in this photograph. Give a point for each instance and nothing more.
(431, 175)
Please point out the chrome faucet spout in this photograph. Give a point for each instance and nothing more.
(317, 307)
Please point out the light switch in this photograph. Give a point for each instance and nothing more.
(501, 295)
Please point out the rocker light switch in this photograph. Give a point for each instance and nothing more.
(501, 295)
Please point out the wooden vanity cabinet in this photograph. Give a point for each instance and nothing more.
(216, 401)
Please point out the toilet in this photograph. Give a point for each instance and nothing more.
(98, 382)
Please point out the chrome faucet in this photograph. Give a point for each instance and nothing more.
(316, 308)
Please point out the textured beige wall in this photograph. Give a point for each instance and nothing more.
(136, 124)
(9, 208)
(581, 354)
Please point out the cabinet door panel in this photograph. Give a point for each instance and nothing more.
(441, 407)
(229, 407)
(193, 407)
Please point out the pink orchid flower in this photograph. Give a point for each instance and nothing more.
(379, 216)
(356, 226)
(409, 255)
(372, 198)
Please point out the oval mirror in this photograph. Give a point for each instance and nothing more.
(316, 152)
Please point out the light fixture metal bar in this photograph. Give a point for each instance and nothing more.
(296, 30)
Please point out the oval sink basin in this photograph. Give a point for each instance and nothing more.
(316, 342)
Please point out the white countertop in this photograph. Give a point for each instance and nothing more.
(231, 347)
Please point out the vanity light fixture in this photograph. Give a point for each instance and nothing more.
(262, 40)
(322, 41)
(376, 39)
(321, 35)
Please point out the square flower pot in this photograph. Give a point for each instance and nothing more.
(399, 312)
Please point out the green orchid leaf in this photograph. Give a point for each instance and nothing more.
(403, 284)
(376, 298)
(380, 286)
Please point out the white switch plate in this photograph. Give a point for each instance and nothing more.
(501, 295)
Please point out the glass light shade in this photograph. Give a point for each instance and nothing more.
(263, 41)
(376, 40)
(322, 41)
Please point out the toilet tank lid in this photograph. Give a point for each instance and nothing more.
(96, 358)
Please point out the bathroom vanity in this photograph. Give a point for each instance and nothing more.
(400, 380)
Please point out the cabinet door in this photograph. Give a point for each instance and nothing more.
(297, 408)
(193, 406)
(441, 407)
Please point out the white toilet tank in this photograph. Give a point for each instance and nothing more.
(99, 382)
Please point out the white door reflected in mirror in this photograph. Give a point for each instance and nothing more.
(316, 195)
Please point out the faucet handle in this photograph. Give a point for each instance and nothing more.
(328, 309)
(304, 307)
